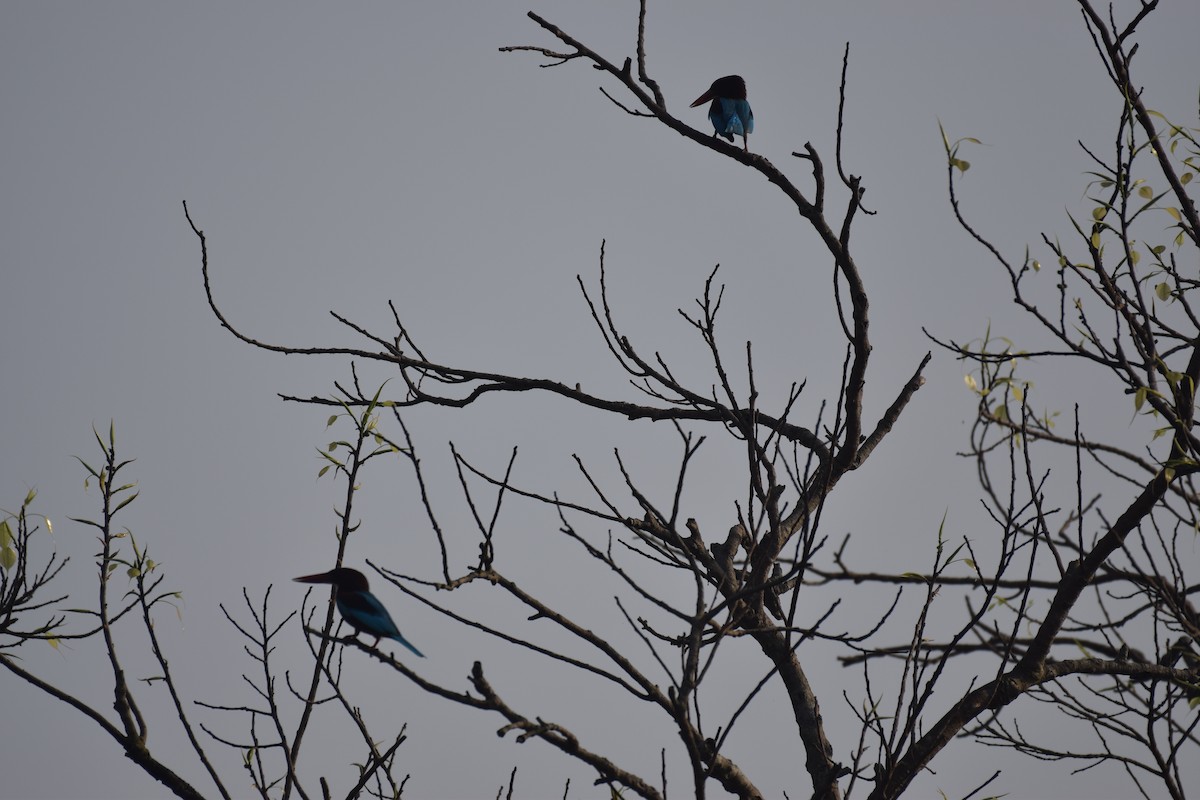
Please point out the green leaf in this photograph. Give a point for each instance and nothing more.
(1185, 178)
(125, 502)
(1099, 213)
(1037, 265)
(8, 557)
(1146, 191)
(1139, 398)
(5, 534)
(324, 469)
(1163, 290)
(1181, 462)
(332, 419)
(1174, 212)
(29, 498)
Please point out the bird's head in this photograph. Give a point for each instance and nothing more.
(350, 580)
(731, 87)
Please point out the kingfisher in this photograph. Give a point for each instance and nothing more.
(358, 606)
(730, 112)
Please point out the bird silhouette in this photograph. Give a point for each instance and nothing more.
(358, 606)
(730, 112)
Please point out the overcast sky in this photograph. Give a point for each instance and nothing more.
(340, 155)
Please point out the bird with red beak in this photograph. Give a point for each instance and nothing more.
(730, 112)
(358, 606)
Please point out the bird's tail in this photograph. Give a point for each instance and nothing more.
(406, 643)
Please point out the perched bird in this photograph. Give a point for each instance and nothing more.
(358, 606)
(729, 112)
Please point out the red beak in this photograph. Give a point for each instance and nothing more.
(323, 577)
(704, 98)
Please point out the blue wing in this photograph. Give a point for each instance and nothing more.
(718, 115)
(731, 117)
(365, 613)
(742, 109)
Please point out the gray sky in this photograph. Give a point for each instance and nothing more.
(341, 155)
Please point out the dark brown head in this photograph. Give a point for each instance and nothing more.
(731, 87)
(346, 579)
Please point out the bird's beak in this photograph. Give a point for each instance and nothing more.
(323, 577)
(704, 98)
